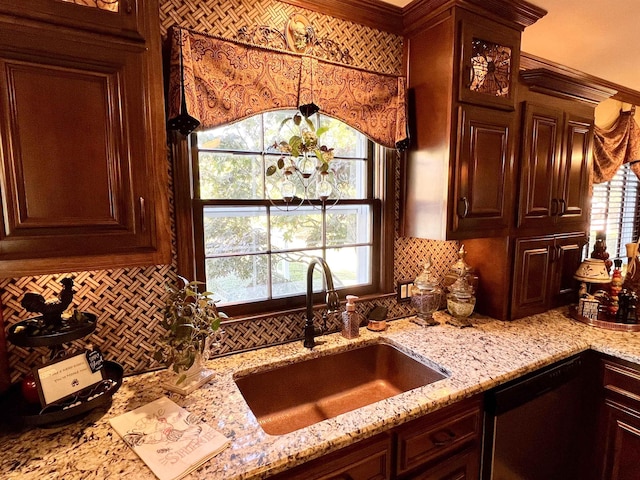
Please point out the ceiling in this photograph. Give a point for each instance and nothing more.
(598, 37)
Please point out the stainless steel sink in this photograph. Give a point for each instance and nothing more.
(297, 395)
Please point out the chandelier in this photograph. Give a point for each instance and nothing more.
(304, 166)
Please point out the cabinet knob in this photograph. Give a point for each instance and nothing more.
(463, 206)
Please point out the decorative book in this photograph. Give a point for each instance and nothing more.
(170, 440)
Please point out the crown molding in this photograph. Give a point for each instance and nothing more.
(598, 86)
(371, 13)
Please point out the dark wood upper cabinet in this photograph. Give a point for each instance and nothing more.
(483, 173)
(82, 142)
(555, 166)
(458, 180)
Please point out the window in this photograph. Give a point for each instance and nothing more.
(615, 209)
(250, 247)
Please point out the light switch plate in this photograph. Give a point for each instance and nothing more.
(404, 290)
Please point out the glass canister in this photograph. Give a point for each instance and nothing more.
(426, 295)
(461, 267)
(461, 301)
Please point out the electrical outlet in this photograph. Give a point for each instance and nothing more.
(404, 290)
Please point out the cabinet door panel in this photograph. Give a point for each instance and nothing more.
(540, 157)
(489, 63)
(573, 184)
(622, 448)
(531, 276)
(45, 167)
(566, 261)
(75, 160)
(484, 172)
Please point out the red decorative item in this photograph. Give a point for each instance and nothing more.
(30, 389)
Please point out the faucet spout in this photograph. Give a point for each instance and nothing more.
(333, 302)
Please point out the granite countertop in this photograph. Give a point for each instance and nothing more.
(477, 359)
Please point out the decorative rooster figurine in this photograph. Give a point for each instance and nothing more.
(51, 310)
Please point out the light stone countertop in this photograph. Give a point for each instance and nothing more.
(477, 359)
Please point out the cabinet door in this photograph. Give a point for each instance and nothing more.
(116, 17)
(622, 442)
(489, 63)
(532, 264)
(566, 260)
(482, 192)
(78, 168)
(573, 180)
(540, 163)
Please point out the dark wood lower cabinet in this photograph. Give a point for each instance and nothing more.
(619, 436)
(444, 445)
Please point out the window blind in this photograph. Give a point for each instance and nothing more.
(615, 210)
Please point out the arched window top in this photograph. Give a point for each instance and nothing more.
(214, 81)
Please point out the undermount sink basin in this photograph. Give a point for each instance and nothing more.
(297, 395)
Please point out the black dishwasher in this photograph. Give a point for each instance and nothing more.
(540, 426)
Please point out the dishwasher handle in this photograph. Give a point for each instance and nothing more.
(517, 392)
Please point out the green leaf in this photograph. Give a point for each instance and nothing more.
(324, 167)
(271, 170)
(321, 130)
(215, 325)
(297, 119)
(280, 163)
(181, 378)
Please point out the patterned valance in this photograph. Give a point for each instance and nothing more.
(214, 81)
(616, 146)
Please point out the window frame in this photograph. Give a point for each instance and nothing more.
(189, 215)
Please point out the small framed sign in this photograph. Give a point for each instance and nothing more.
(65, 377)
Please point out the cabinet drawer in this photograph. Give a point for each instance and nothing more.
(366, 460)
(622, 380)
(426, 440)
(464, 465)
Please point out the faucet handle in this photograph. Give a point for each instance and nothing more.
(333, 301)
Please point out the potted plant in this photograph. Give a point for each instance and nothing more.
(191, 320)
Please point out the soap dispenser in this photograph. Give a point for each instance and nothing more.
(350, 319)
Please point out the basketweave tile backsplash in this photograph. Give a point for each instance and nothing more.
(128, 302)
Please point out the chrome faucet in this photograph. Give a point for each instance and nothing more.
(333, 303)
